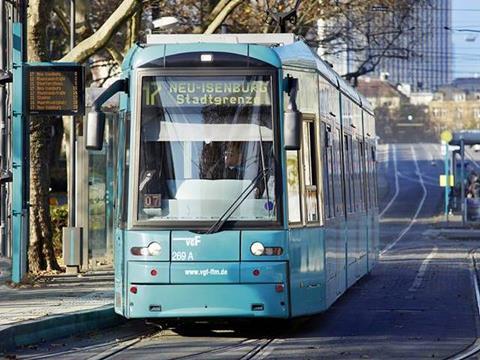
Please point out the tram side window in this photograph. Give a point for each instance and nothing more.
(123, 169)
(310, 171)
(368, 176)
(357, 163)
(353, 176)
(363, 170)
(293, 185)
(373, 177)
(328, 170)
(337, 186)
(349, 173)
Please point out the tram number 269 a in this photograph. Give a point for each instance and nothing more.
(182, 256)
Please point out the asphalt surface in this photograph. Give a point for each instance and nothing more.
(418, 302)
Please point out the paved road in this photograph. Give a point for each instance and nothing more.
(417, 303)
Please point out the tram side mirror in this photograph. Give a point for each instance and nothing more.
(292, 119)
(95, 130)
(5, 77)
(292, 125)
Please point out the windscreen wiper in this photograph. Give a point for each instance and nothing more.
(217, 226)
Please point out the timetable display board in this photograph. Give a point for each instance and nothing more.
(56, 90)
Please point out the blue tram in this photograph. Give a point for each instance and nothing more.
(246, 181)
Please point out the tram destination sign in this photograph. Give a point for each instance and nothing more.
(56, 89)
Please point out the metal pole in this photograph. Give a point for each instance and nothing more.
(9, 13)
(3, 132)
(454, 172)
(71, 187)
(447, 180)
(462, 177)
(20, 166)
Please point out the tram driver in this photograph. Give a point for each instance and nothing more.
(235, 167)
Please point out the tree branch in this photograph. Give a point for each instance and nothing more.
(217, 9)
(363, 69)
(62, 18)
(222, 15)
(102, 36)
(133, 29)
(115, 54)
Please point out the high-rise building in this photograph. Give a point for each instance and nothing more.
(429, 43)
(430, 63)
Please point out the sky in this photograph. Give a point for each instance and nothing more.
(466, 45)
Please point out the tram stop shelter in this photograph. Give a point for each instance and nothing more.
(95, 188)
(462, 138)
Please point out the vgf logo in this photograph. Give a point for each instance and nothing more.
(195, 241)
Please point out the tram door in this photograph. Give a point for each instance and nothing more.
(334, 212)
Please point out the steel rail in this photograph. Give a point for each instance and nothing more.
(474, 347)
(417, 212)
(116, 343)
(223, 349)
(257, 350)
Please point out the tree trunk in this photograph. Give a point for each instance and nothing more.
(40, 254)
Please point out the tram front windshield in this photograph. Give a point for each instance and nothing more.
(206, 141)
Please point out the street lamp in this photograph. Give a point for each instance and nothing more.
(164, 23)
(461, 30)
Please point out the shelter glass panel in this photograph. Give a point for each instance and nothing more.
(101, 185)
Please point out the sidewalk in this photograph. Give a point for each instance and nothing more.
(5, 266)
(55, 306)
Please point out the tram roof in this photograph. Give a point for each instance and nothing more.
(255, 46)
(302, 55)
(250, 39)
(469, 137)
(350, 91)
(365, 103)
(275, 49)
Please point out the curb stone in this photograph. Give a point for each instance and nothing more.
(56, 327)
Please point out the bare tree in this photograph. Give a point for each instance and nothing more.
(370, 31)
(47, 30)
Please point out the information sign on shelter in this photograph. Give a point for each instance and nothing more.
(443, 180)
(56, 89)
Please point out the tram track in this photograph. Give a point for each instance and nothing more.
(474, 348)
(418, 210)
(114, 346)
(110, 353)
(245, 349)
(258, 351)
(397, 186)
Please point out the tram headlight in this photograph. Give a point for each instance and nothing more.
(257, 248)
(154, 249)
